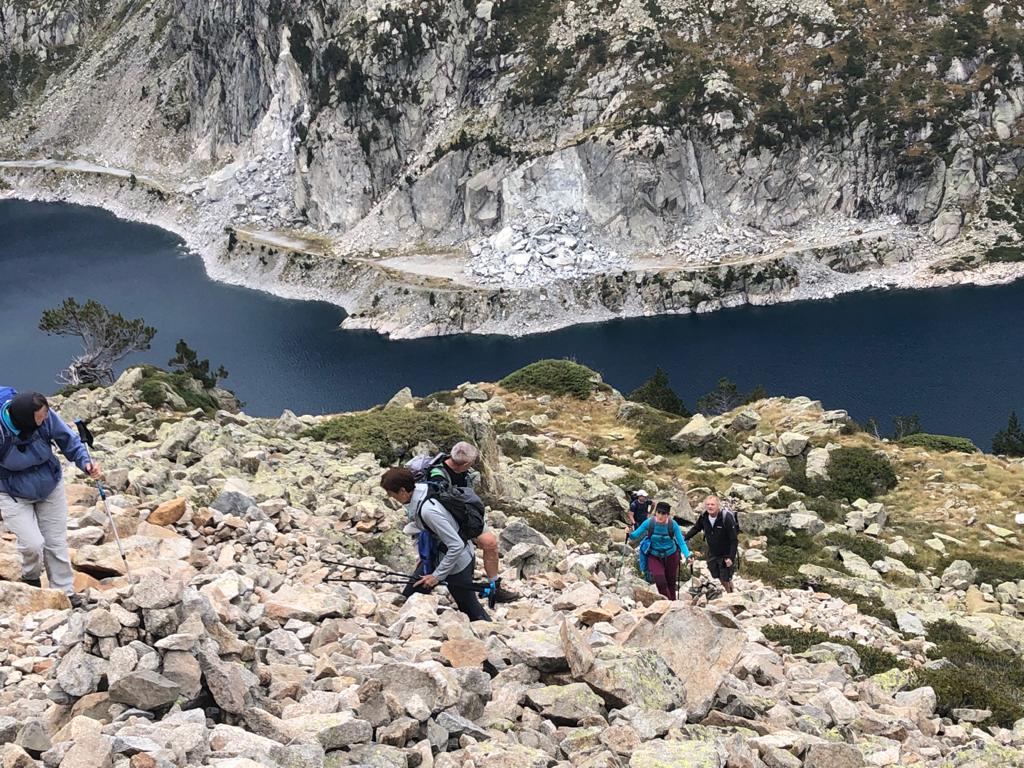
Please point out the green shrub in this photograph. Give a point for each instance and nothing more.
(944, 443)
(70, 389)
(1009, 441)
(872, 660)
(552, 377)
(979, 678)
(183, 385)
(827, 509)
(152, 393)
(657, 393)
(390, 434)
(718, 449)
(854, 473)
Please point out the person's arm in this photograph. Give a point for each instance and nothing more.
(630, 517)
(442, 525)
(680, 541)
(70, 444)
(695, 529)
(641, 531)
(734, 537)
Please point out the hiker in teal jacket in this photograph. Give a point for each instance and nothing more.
(666, 547)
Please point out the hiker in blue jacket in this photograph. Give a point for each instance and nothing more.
(666, 547)
(32, 499)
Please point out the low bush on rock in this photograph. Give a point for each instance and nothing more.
(865, 546)
(552, 377)
(942, 443)
(390, 434)
(978, 677)
(155, 384)
(854, 473)
(872, 660)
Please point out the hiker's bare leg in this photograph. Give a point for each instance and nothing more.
(727, 585)
(488, 543)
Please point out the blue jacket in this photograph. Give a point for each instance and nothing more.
(666, 538)
(29, 470)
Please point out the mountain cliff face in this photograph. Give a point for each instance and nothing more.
(654, 124)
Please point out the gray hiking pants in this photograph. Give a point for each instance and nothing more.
(42, 531)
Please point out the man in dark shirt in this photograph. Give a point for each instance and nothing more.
(639, 509)
(722, 537)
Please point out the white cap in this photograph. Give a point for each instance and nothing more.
(641, 492)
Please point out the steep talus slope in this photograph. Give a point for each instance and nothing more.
(236, 642)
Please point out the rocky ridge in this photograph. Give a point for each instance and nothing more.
(233, 644)
(404, 139)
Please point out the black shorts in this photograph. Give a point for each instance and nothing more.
(719, 570)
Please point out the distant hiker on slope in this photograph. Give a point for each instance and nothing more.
(446, 557)
(663, 539)
(457, 468)
(32, 499)
(721, 533)
(639, 509)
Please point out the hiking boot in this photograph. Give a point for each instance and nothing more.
(502, 595)
(33, 583)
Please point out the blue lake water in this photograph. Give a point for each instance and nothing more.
(954, 356)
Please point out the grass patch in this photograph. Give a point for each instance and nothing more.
(872, 660)
(867, 605)
(655, 430)
(719, 449)
(390, 434)
(552, 377)
(980, 677)
(991, 570)
(943, 443)
(787, 551)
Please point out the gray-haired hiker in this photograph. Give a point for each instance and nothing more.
(32, 498)
(457, 468)
(722, 536)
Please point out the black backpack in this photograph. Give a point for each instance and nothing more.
(462, 504)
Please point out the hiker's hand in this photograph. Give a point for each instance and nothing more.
(93, 470)
(427, 581)
(728, 562)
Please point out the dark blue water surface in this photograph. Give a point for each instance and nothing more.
(954, 356)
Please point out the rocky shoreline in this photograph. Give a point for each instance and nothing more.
(410, 304)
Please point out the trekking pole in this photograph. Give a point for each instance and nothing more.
(113, 527)
(356, 567)
(87, 437)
